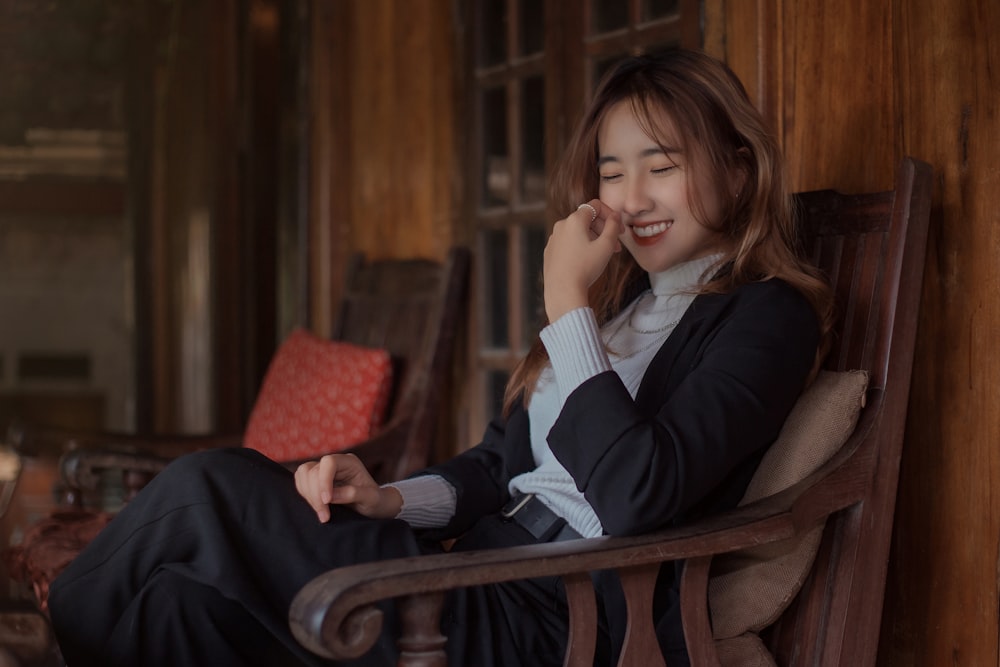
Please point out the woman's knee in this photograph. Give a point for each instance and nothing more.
(211, 463)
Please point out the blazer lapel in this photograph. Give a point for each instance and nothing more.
(673, 360)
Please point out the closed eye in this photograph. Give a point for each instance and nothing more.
(610, 178)
(664, 170)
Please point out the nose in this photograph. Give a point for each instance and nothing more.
(637, 199)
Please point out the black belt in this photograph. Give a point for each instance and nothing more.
(534, 516)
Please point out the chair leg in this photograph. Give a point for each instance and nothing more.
(694, 611)
(582, 620)
(641, 648)
(421, 643)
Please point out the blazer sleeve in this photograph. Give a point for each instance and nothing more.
(643, 467)
(480, 475)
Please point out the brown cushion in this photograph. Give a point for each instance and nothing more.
(749, 589)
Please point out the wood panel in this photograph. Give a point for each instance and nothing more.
(837, 94)
(942, 597)
(388, 101)
(851, 87)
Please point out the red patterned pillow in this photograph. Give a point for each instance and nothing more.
(319, 396)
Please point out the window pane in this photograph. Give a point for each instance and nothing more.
(600, 67)
(609, 15)
(658, 9)
(654, 49)
(532, 27)
(496, 158)
(492, 32)
(497, 383)
(533, 138)
(496, 316)
(531, 300)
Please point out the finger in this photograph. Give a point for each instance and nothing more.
(604, 214)
(601, 214)
(613, 227)
(305, 484)
(586, 212)
(350, 494)
(324, 478)
(320, 482)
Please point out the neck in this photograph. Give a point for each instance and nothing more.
(684, 276)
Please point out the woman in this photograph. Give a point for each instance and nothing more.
(682, 328)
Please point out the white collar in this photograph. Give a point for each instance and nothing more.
(683, 276)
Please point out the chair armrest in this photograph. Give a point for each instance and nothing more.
(335, 616)
(138, 457)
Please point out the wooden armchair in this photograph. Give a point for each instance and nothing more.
(872, 248)
(412, 308)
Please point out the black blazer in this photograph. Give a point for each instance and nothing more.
(712, 399)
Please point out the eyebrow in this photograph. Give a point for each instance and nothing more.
(648, 152)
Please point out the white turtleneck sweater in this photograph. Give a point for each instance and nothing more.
(577, 350)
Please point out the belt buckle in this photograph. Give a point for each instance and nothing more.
(509, 513)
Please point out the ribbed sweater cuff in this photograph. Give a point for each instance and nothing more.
(428, 501)
(575, 349)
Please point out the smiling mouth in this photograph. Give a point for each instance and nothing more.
(651, 230)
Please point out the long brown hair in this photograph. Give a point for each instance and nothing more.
(721, 135)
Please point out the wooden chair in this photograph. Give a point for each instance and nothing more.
(413, 308)
(872, 248)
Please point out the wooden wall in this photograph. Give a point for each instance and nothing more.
(851, 87)
(385, 135)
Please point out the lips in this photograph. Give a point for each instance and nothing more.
(647, 234)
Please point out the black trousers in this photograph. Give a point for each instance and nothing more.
(201, 567)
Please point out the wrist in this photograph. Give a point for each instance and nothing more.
(557, 306)
(390, 502)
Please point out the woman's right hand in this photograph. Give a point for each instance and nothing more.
(342, 479)
(577, 252)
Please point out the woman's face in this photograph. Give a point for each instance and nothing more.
(649, 189)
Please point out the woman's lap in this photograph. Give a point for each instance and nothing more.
(231, 521)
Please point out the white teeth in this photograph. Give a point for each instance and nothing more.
(652, 230)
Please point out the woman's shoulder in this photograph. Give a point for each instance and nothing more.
(773, 300)
(772, 291)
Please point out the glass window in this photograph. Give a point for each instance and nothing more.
(497, 381)
(532, 33)
(496, 157)
(658, 9)
(533, 140)
(609, 15)
(532, 304)
(492, 32)
(495, 255)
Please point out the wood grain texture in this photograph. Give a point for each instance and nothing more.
(942, 591)
(384, 112)
(851, 88)
(836, 94)
(401, 128)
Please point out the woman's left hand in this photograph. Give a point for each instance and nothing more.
(342, 479)
(577, 252)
